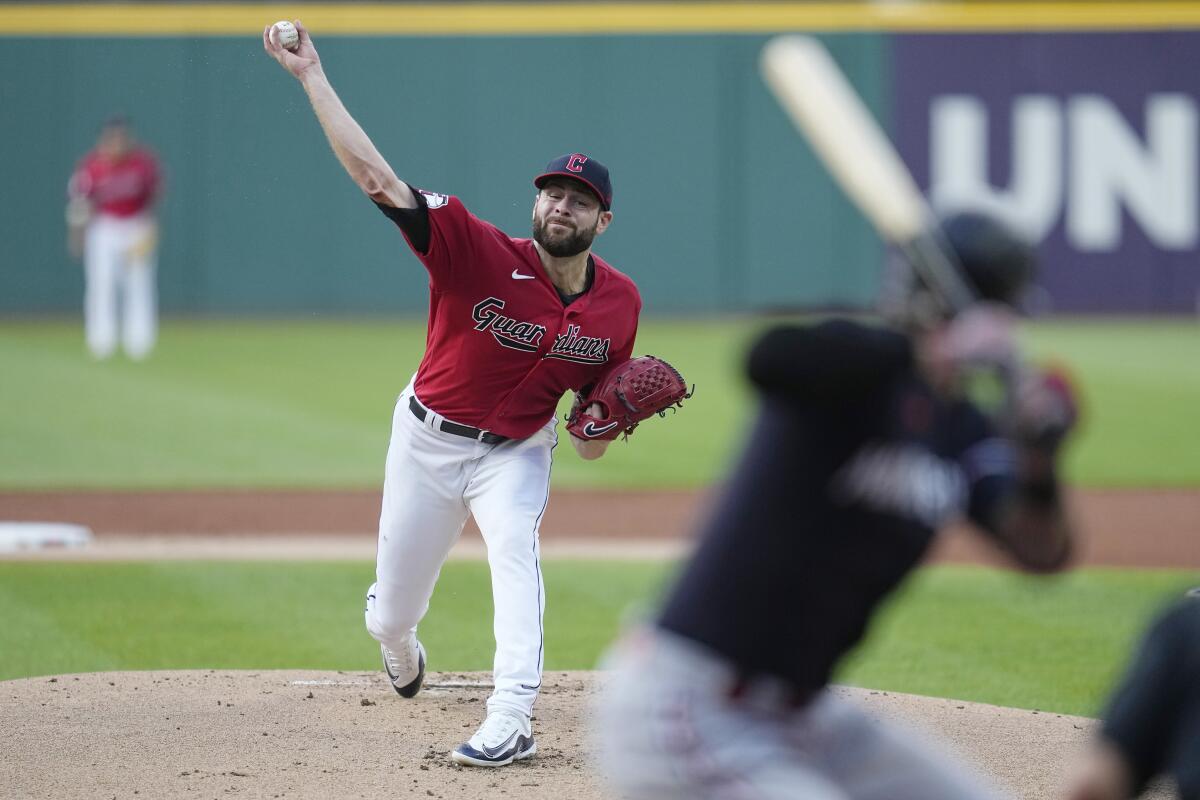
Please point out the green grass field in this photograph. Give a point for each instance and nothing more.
(1052, 644)
(308, 404)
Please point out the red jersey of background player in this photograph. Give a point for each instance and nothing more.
(121, 188)
(502, 346)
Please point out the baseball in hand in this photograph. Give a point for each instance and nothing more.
(286, 35)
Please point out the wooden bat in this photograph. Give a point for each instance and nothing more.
(825, 108)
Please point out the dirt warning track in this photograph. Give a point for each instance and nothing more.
(1134, 527)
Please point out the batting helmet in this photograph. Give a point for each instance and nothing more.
(997, 262)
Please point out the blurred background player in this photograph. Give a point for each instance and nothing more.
(865, 445)
(111, 225)
(513, 324)
(1152, 724)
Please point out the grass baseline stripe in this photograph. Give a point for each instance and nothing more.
(559, 19)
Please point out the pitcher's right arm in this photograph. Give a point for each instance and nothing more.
(350, 143)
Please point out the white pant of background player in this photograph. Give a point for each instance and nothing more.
(120, 295)
(669, 728)
(432, 482)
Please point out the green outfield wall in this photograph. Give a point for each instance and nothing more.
(1074, 118)
(718, 205)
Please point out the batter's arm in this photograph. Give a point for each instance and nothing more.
(1032, 523)
(828, 363)
(350, 143)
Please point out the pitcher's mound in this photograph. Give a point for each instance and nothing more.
(295, 734)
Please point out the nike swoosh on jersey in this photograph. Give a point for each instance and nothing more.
(517, 276)
(590, 429)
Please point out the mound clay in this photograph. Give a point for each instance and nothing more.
(293, 734)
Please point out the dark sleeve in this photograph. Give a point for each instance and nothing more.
(829, 362)
(414, 222)
(989, 462)
(1154, 715)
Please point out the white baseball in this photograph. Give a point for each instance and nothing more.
(286, 35)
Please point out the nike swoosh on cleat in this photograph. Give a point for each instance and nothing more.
(493, 752)
(517, 276)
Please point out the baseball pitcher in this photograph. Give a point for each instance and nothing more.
(513, 324)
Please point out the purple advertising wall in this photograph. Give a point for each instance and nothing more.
(1085, 141)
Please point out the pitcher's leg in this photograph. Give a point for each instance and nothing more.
(508, 495)
(100, 290)
(422, 514)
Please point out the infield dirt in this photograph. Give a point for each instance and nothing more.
(295, 734)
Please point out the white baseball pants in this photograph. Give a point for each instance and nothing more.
(119, 269)
(668, 728)
(433, 480)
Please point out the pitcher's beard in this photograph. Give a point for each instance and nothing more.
(563, 246)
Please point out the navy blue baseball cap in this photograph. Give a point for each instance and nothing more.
(584, 169)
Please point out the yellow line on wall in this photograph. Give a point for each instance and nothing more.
(473, 19)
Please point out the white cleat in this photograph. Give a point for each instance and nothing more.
(504, 737)
(405, 669)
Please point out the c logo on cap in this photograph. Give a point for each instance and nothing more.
(575, 163)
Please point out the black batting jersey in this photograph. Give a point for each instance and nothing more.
(852, 466)
(1154, 716)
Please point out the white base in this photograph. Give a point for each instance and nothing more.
(16, 537)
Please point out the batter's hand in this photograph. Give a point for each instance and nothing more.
(982, 336)
(1046, 408)
(297, 61)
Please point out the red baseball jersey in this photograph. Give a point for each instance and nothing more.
(121, 188)
(502, 349)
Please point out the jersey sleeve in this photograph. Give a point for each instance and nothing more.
(412, 222)
(454, 235)
(829, 363)
(989, 462)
